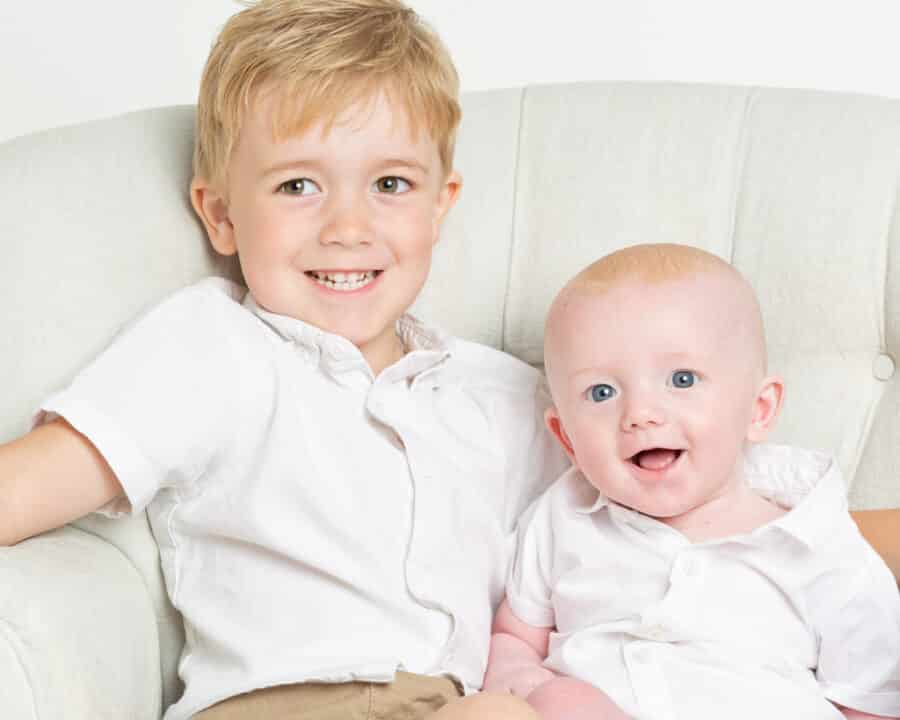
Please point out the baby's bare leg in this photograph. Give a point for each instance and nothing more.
(486, 706)
(568, 699)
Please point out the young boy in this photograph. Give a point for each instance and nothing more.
(680, 567)
(332, 484)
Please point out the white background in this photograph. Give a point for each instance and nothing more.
(65, 61)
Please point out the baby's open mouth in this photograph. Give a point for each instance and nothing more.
(345, 281)
(655, 458)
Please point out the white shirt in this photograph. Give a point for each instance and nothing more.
(315, 523)
(766, 624)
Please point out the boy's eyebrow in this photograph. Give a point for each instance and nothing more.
(383, 163)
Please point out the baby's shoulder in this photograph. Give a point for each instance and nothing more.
(566, 499)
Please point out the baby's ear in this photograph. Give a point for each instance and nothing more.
(212, 209)
(554, 424)
(766, 407)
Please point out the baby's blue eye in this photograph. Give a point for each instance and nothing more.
(392, 184)
(601, 392)
(298, 186)
(683, 378)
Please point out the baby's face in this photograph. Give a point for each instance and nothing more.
(337, 228)
(655, 387)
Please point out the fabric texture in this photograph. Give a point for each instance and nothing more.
(408, 697)
(799, 610)
(315, 523)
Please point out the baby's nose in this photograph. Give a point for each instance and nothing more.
(642, 414)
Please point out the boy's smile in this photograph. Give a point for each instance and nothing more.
(335, 226)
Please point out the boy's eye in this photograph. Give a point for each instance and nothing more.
(391, 184)
(601, 392)
(298, 186)
(683, 378)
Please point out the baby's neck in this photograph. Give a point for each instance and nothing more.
(738, 512)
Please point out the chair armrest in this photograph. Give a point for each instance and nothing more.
(78, 636)
(882, 529)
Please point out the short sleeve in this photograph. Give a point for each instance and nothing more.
(529, 585)
(155, 403)
(859, 655)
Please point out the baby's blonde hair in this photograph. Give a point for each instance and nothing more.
(656, 263)
(316, 58)
(650, 263)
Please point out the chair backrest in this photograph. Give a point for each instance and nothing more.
(799, 189)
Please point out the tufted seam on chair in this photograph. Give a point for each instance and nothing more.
(740, 166)
(890, 230)
(882, 313)
(9, 633)
(514, 219)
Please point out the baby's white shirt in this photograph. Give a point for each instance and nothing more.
(765, 624)
(315, 523)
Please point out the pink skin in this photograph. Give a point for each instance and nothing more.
(365, 196)
(667, 451)
(568, 699)
(515, 666)
(670, 452)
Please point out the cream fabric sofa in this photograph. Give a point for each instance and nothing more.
(799, 189)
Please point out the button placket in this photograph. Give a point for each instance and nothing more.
(647, 680)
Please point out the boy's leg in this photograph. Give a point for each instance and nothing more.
(412, 697)
(299, 701)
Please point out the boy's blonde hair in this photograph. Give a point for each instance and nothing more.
(316, 58)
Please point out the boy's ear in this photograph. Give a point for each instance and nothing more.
(554, 424)
(212, 209)
(446, 199)
(766, 407)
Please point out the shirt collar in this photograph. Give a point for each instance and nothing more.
(426, 346)
(806, 482)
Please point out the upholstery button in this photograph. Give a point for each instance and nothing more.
(883, 367)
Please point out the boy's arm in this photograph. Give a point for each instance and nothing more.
(49, 477)
(881, 528)
(517, 653)
(857, 715)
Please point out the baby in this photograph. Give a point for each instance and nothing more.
(679, 566)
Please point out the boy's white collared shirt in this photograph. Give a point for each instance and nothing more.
(769, 623)
(315, 523)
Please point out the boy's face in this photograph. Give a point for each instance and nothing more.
(335, 229)
(657, 389)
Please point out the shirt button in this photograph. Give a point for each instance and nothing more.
(641, 656)
(657, 632)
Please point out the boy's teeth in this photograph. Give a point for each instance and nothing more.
(342, 280)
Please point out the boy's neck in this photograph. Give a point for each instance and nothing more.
(737, 512)
(384, 354)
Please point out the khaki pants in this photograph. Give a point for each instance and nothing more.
(409, 697)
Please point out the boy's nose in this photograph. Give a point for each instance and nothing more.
(642, 414)
(348, 224)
